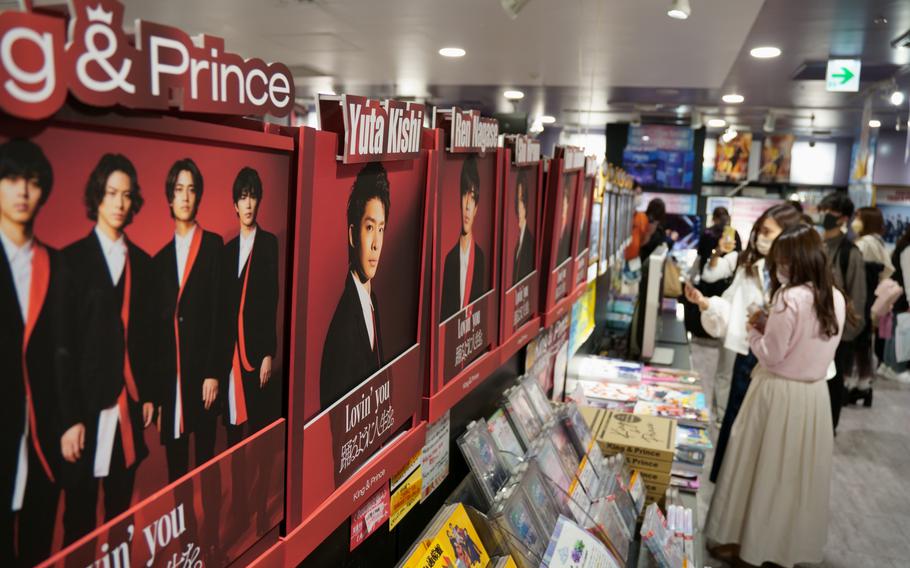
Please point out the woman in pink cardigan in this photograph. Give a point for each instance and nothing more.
(771, 500)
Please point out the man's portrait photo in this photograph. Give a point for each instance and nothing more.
(463, 276)
(523, 262)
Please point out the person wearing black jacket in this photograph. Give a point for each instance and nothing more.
(33, 288)
(353, 343)
(105, 409)
(251, 281)
(582, 243)
(565, 235)
(523, 262)
(192, 354)
(656, 235)
(463, 274)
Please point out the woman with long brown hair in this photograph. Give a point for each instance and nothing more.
(725, 316)
(771, 499)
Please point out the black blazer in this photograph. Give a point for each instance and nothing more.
(582, 243)
(49, 361)
(261, 306)
(451, 286)
(347, 358)
(523, 263)
(562, 252)
(203, 326)
(98, 335)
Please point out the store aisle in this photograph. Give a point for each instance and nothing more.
(870, 501)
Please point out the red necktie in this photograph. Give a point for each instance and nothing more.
(41, 275)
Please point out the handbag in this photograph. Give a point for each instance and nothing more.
(672, 284)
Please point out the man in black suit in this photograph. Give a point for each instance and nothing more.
(565, 236)
(251, 280)
(463, 274)
(523, 262)
(582, 243)
(33, 287)
(105, 409)
(192, 353)
(353, 344)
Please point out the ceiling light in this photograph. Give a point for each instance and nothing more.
(547, 119)
(452, 52)
(679, 10)
(733, 98)
(897, 98)
(729, 135)
(514, 95)
(765, 52)
(645, 138)
(875, 123)
(717, 123)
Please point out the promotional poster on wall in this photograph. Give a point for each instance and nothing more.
(732, 158)
(523, 175)
(357, 296)
(660, 156)
(775, 158)
(468, 183)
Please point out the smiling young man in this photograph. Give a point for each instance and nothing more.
(107, 406)
(33, 286)
(523, 262)
(250, 267)
(464, 269)
(192, 352)
(353, 344)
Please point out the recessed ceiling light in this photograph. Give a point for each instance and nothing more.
(733, 98)
(765, 52)
(645, 138)
(717, 123)
(547, 119)
(897, 98)
(452, 52)
(679, 10)
(875, 123)
(514, 95)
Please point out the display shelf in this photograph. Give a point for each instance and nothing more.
(292, 549)
(519, 339)
(562, 307)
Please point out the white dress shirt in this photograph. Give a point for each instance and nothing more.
(114, 252)
(366, 304)
(182, 248)
(463, 257)
(20, 264)
(246, 247)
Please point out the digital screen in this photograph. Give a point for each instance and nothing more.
(660, 156)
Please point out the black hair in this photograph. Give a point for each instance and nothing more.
(247, 182)
(656, 211)
(186, 164)
(96, 186)
(372, 183)
(796, 205)
(470, 178)
(837, 203)
(24, 158)
(521, 182)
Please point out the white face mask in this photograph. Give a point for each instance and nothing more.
(763, 245)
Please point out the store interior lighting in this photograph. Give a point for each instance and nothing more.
(897, 98)
(452, 52)
(717, 123)
(513, 95)
(765, 52)
(733, 98)
(680, 10)
(875, 123)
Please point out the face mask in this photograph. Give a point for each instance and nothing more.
(857, 226)
(763, 244)
(830, 221)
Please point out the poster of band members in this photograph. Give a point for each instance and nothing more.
(566, 170)
(360, 255)
(732, 158)
(582, 226)
(775, 158)
(141, 331)
(521, 234)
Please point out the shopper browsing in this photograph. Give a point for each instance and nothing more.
(846, 265)
(656, 233)
(725, 316)
(900, 259)
(771, 500)
(869, 226)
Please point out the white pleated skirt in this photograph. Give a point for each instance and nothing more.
(773, 489)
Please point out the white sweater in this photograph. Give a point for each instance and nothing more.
(727, 315)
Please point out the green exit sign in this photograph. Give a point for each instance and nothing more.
(843, 75)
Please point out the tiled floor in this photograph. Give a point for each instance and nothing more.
(870, 492)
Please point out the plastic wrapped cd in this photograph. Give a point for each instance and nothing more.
(506, 440)
(518, 524)
(483, 458)
(522, 415)
(546, 506)
(538, 398)
(576, 426)
(567, 454)
(551, 466)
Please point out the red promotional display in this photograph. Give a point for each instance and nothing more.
(522, 183)
(465, 309)
(155, 271)
(357, 300)
(582, 235)
(564, 182)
